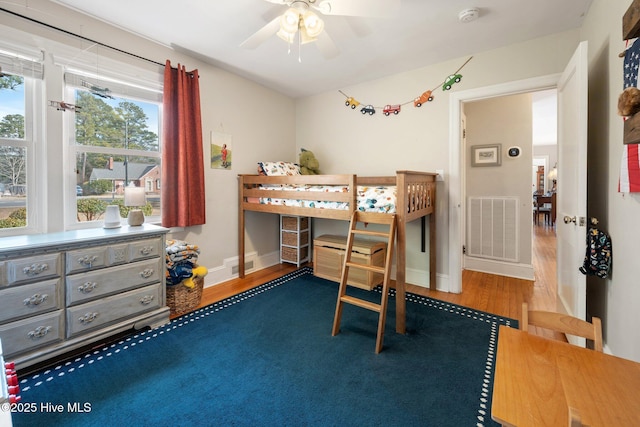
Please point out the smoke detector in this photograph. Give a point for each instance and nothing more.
(468, 15)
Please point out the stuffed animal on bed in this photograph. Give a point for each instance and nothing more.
(309, 165)
(629, 102)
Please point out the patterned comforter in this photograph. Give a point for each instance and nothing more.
(369, 198)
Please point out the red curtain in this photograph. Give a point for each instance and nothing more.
(183, 196)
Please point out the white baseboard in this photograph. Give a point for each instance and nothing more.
(421, 278)
(226, 272)
(519, 271)
(228, 269)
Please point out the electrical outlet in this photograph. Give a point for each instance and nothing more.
(440, 176)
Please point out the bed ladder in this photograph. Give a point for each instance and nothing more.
(367, 218)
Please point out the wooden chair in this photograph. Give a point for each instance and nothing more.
(563, 323)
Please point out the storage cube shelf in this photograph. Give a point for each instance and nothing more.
(328, 257)
(294, 239)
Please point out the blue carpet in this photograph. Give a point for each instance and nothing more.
(267, 358)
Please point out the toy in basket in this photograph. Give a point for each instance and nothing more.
(184, 278)
(186, 295)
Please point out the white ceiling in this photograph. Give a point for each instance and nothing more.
(423, 32)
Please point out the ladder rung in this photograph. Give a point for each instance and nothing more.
(374, 268)
(360, 303)
(370, 233)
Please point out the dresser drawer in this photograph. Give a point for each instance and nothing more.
(99, 313)
(146, 249)
(28, 300)
(87, 259)
(83, 287)
(33, 268)
(27, 334)
(118, 254)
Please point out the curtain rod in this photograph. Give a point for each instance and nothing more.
(80, 37)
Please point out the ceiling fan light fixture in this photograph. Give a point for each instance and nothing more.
(286, 36)
(305, 37)
(312, 24)
(290, 21)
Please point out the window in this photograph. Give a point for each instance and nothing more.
(116, 144)
(17, 192)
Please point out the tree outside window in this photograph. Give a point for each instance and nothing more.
(116, 144)
(13, 152)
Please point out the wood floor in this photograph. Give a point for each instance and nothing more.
(499, 295)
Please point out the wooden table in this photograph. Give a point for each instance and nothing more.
(539, 201)
(538, 379)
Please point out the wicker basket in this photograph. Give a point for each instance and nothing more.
(291, 239)
(291, 223)
(291, 254)
(182, 299)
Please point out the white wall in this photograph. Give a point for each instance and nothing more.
(345, 141)
(616, 299)
(261, 122)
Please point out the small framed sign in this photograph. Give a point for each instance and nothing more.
(485, 155)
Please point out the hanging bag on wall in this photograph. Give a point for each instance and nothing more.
(597, 261)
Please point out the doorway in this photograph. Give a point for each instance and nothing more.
(458, 161)
(498, 233)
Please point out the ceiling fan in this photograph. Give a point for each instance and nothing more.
(300, 22)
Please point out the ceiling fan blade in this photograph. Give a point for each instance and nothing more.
(262, 34)
(327, 47)
(371, 8)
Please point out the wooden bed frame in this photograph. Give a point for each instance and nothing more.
(416, 197)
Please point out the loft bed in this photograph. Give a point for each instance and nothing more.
(416, 196)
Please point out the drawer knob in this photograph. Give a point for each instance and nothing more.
(87, 287)
(146, 250)
(35, 300)
(88, 318)
(146, 273)
(39, 332)
(146, 300)
(35, 269)
(87, 260)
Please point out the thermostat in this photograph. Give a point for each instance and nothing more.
(514, 151)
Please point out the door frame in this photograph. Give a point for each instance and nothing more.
(457, 156)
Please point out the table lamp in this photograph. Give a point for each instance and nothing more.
(134, 197)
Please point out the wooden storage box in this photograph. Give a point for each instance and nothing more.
(329, 253)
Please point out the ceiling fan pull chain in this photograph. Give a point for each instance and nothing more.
(299, 47)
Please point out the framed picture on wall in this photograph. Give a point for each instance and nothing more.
(485, 155)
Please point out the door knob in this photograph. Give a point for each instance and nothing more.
(568, 219)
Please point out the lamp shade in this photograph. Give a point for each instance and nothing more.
(290, 20)
(134, 196)
(313, 24)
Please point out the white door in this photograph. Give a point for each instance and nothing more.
(572, 185)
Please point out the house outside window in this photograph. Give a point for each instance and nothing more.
(116, 144)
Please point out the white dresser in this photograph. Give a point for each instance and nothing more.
(61, 291)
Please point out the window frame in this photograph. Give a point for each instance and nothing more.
(33, 125)
(74, 149)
